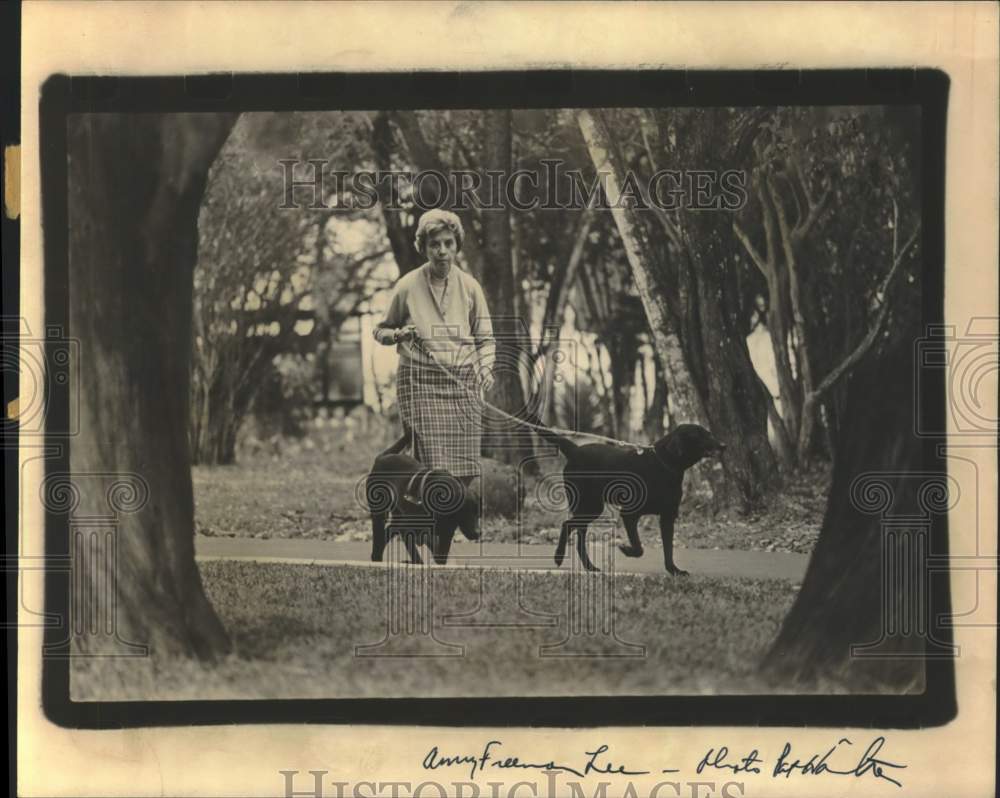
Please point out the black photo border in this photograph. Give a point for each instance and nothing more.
(62, 95)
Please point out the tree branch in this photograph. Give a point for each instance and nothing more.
(816, 207)
(470, 162)
(798, 318)
(563, 279)
(767, 214)
(755, 256)
(866, 343)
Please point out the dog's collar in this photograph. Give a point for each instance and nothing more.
(656, 454)
(418, 497)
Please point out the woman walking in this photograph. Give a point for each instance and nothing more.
(440, 324)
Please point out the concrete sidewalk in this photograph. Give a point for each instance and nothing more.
(707, 562)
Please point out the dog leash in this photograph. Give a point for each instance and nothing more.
(522, 422)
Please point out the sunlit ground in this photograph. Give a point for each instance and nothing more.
(307, 489)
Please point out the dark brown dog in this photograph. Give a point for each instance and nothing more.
(424, 505)
(646, 482)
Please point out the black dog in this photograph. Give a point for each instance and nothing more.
(648, 482)
(424, 505)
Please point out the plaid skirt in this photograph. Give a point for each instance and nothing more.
(445, 418)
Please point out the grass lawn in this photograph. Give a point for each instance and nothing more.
(308, 490)
(295, 629)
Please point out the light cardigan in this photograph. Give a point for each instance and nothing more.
(457, 330)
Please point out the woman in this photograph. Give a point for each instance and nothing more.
(440, 324)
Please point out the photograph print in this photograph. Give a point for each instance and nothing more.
(603, 394)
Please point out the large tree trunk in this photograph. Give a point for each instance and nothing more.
(135, 185)
(716, 348)
(714, 317)
(869, 569)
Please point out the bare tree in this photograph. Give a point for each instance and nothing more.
(269, 281)
(829, 201)
(249, 284)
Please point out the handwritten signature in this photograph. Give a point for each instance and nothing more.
(490, 758)
(833, 762)
(815, 765)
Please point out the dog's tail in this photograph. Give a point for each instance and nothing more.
(399, 445)
(565, 445)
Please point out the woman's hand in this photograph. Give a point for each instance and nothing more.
(486, 380)
(407, 333)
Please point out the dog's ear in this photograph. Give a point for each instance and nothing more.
(671, 447)
(687, 444)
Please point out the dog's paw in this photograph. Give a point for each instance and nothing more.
(628, 551)
(673, 570)
(559, 557)
(591, 568)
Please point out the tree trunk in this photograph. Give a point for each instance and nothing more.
(400, 235)
(654, 422)
(560, 285)
(504, 442)
(217, 445)
(883, 501)
(779, 311)
(622, 354)
(734, 396)
(135, 185)
(653, 294)
(225, 401)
